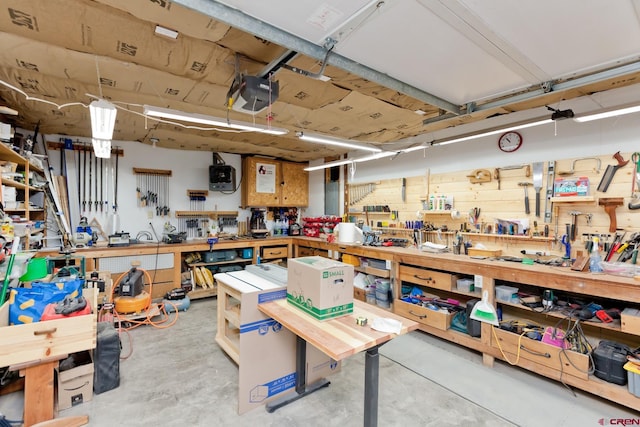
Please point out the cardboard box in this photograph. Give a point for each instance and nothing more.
(320, 286)
(630, 320)
(75, 385)
(266, 350)
(567, 187)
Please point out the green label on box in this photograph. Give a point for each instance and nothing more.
(320, 314)
(331, 273)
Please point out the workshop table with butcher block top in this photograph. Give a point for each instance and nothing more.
(339, 338)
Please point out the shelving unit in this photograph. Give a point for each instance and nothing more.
(509, 236)
(573, 199)
(501, 344)
(435, 274)
(24, 190)
(237, 263)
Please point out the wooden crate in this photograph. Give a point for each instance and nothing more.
(42, 340)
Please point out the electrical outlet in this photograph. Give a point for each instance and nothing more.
(150, 214)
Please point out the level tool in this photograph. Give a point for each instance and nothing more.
(551, 176)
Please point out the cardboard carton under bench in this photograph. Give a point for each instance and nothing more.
(320, 286)
(75, 385)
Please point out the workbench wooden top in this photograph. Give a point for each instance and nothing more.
(341, 337)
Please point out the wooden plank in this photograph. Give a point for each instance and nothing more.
(340, 337)
(38, 393)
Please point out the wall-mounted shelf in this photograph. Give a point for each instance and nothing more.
(368, 213)
(209, 214)
(435, 212)
(510, 236)
(573, 199)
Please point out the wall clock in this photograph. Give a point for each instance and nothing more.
(510, 141)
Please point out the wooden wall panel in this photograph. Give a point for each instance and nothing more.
(505, 200)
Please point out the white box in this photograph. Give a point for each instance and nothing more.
(321, 287)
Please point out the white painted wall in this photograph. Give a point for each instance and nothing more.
(190, 171)
(569, 140)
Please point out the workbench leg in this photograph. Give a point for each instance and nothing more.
(38, 393)
(371, 375)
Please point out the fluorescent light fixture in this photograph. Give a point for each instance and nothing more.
(103, 119)
(474, 135)
(101, 147)
(609, 112)
(162, 31)
(166, 113)
(329, 165)
(327, 140)
(494, 131)
(9, 111)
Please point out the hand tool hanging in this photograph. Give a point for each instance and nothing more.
(537, 183)
(96, 184)
(101, 185)
(115, 189)
(610, 172)
(90, 176)
(79, 183)
(635, 182)
(548, 204)
(84, 179)
(526, 196)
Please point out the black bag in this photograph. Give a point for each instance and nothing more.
(609, 359)
(106, 359)
(473, 326)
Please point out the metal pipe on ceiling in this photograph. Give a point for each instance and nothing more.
(249, 24)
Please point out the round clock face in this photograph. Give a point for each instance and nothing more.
(510, 141)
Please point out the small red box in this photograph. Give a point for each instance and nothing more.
(50, 312)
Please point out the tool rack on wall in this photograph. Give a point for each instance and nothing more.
(153, 189)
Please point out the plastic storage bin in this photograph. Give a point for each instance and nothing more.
(507, 293)
(633, 377)
(465, 285)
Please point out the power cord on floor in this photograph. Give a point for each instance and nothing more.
(166, 321)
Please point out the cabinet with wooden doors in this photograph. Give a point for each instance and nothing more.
(274, 183)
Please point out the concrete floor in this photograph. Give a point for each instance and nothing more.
(179, 376)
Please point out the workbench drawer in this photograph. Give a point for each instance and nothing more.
(430, 278)
(426, 316)
(275, 252)
(568, 362)
(42, 340)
